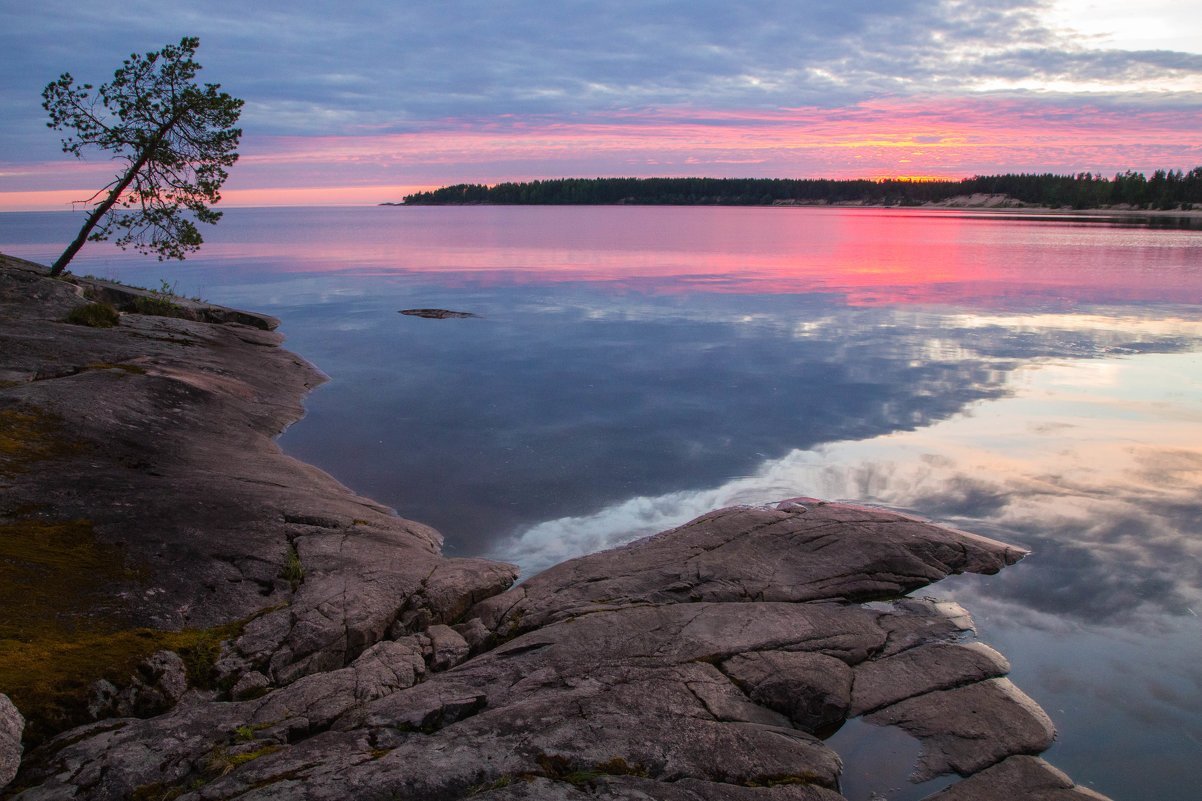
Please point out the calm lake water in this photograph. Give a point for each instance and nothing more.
(1037, 380)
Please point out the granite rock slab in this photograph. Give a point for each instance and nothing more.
(706, 662)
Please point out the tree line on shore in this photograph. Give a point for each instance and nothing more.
(1165, 189)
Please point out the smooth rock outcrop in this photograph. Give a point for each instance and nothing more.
(792, 553)
(355, 661)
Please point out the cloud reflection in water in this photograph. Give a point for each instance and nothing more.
(1094, 464)
(1032, 379)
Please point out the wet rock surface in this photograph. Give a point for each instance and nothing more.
(703, 663)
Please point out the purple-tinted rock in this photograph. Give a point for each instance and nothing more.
(11, 727)
(938, 666)
(833, 552)
(812, 690)
(967, 729)
(250, 685)
(1019, 777)
(447, 647)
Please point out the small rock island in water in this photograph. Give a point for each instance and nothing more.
(188, 613)
(437, 314)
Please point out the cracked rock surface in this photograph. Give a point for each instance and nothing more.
(706, 662)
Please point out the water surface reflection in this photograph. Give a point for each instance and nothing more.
(1039, 380)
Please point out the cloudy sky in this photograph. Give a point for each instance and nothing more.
(365, 101)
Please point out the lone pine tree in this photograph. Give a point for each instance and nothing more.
(174, 138)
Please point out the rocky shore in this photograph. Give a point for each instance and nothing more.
(186, 612)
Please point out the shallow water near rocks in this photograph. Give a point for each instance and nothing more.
(1037, 380)
(878, 761)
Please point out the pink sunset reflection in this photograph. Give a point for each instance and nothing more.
(871, 256)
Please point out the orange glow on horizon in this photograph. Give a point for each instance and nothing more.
(70, 199)
(915, 179)
(320, 195)
(906, 139)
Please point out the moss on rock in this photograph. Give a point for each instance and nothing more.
(29, 435)
(63, 623)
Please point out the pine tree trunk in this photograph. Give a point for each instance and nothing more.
(114, 195)
(60, 264)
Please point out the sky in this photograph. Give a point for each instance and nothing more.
(366, 101)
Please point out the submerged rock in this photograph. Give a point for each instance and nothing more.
(343, 656)
(437, 314)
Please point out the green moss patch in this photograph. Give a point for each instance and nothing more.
(48, 676)
(160, 791)
(63, 624)
(221, 761)
(50, 571)
(560, 768)
(30, 435)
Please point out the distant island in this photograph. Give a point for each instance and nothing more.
(1165, 190)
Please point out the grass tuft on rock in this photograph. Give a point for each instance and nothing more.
(292, 570)
(94, 315)
(158, 307)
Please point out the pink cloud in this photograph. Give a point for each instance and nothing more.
(951, 137)
(936, 137)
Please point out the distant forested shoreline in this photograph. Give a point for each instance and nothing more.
(1164, 190)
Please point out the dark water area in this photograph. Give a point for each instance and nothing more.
(1034, 378)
